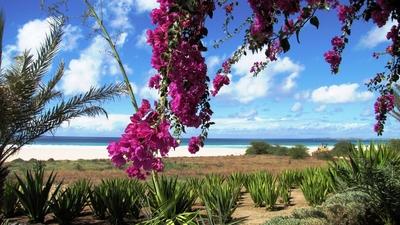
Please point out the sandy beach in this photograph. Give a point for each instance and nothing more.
(74, 152)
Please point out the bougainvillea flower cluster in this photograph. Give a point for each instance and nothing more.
(218, 82)
(383, 105)
(146, 138)
(333, 57)
(182, 83)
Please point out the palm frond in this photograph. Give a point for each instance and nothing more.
(47, 92)
(48, 50)
(25, 114)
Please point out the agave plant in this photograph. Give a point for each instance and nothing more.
(30, 107)
(34, 193)
(170, 201)
(255, 185)
(375, 170)
(195, 185)
(97, 204)
(69, 203)
(10, 199)
(316, 185)
(220, 201)
(117, 199)
(271, 192)
(287, 180)
(237, 179)
(136, 191)
(214, 179)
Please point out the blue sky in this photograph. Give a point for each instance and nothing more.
(295, 97)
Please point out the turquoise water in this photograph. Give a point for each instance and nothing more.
(211, 142)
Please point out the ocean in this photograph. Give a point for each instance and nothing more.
(211, 142)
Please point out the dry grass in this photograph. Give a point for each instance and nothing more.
(200, 166)
(95, 170)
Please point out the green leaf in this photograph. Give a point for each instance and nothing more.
(314, 21)
(285, 44)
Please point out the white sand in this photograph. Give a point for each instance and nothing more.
(73, 152)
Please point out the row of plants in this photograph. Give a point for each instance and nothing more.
(162, 200)
(157, 201)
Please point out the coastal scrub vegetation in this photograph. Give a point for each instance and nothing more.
(261, 147)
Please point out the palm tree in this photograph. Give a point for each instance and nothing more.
(30, 107)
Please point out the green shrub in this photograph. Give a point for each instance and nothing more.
(294, 221)
(323, 155)
(34, 193)
(342, 148)
(259, 147)
(10, 199)
(316, 185)
(298, 152)
(280, 150)
(351, 208)
(69, 203)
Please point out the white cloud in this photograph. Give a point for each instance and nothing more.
(375, 36)
(320, 108)
(367, 112)
(71, 36)
(297, 107)
(302, 95)
(84, 72)
(122, 37)
(273, 125)
(115, 122)
(141, 40)
(32, 35)
(344, 93)
(148, 93)
(249, 115)
(145, 5)
(290, 82)
(249, 88)
(7, 57)
(212, 62)
(120, 10)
